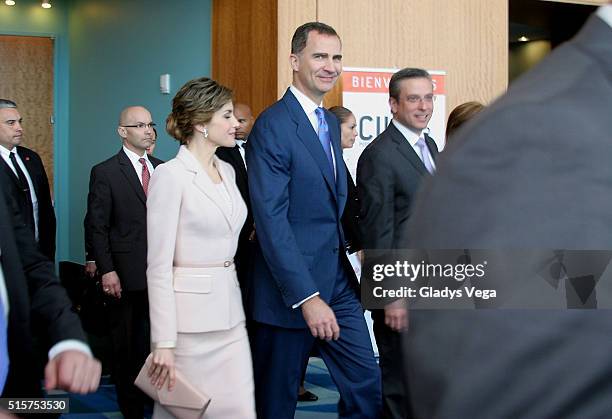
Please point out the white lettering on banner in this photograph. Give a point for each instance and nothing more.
(370, 82)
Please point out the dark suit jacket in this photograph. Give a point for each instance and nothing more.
(46, 214)
(243, 256)
(389, 174)
(35, 298)
(350, 217)
(116, 221)
(297, 206)
(530, 172)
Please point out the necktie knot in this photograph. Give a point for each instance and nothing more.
(321, 119)
(319, 112)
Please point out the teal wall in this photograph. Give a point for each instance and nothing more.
(109, 54)
(118, 50)
(28, 18)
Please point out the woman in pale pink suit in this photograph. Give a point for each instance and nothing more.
(194, 216)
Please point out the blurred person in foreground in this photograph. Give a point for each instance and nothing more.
(31, 294)
(533, 173)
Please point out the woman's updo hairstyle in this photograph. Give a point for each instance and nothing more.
(195, 103)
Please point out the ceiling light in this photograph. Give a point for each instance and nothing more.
(9, 2)
(46, 4)
(523, 39)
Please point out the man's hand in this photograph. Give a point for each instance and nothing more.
(111, 284)
(396, 316)
(73, 371)
(91, 269)
(320, 319)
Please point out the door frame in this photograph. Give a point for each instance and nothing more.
(61, 135)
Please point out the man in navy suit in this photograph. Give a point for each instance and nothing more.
(305, 293)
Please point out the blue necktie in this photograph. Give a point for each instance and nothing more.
(324, 136)
(4, 359)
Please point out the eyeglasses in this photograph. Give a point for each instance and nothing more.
(140, 125)
(417, 99)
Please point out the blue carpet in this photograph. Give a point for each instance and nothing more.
(103, 403)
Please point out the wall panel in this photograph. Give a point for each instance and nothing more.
(468, 39)
(244, 55)
(26, 67)
(291, 14)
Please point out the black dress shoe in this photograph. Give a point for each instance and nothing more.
(307, 396)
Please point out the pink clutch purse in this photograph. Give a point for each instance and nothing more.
(184, 401)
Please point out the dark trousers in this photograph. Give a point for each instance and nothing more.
(130, 337)
(279, 355)
(394, 387)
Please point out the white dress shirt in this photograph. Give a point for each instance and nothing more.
(412, 139)
(134, 158)
(240, 144)
(6, 155)
(605, 13)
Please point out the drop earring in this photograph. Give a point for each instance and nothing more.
(205, 132)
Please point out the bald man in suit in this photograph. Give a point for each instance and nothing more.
(116, 231)
(531, 172)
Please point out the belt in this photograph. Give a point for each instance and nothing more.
(224, 264)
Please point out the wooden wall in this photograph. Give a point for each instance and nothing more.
(26, 71)
(468, 39)
(244, 55)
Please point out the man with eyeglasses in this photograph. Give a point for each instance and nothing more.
(388, 176)
(26, 179)
(116, 237)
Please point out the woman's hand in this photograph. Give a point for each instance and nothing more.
(162, 368)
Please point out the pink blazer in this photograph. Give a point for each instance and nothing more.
(192, 227)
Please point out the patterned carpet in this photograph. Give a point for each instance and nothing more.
(103, 403)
